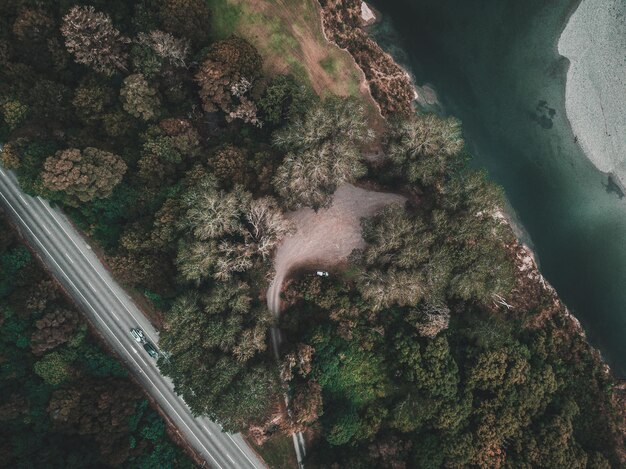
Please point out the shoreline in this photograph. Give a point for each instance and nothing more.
(529, 266)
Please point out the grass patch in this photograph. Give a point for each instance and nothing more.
(329, 65)
(278, 452)
(225, 18)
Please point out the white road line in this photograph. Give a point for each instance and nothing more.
(2, 172)
(46, 228)
(241, 449)
(228, 456)
(68, 256)
(208, 431)
(23, 199)
(51, 212)
(108, 328)
(91, 286)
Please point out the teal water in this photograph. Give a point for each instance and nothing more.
(495, 65)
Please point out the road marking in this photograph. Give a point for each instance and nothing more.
(23, 199)
(228, 455)
(46, 228)
(91, 286)
(54, 216)
(241, 449)
(74, 286)
(207, 430)
(109, 329)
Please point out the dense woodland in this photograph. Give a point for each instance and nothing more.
(65, 402)
(179, 157)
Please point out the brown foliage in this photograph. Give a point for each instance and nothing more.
(99, 409)
(53, 329)
(306, 406)
(390, 86)
(91, 99)
(41, 294)
(92, 39)
(10, 156)
(32, 25)
(84, 175)
(225, 65)
(229, 165)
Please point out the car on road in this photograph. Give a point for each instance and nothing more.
(138, 334)
(152, 351)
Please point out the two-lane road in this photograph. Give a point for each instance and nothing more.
(109, 308)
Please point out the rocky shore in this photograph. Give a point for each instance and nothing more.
(394, 92)
(390, 85)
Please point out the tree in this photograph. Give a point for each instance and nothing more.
(229, 165)
(91, 100)
(167, 145)
(14, 113)
(54, 329)
(187, 18)
(92, 39)
(32, 25)
(323, 152)
(83, 175)
(151, 52)
(229, 230)
(165, 46)
(222, 78)
(52, 368)
(10, 155)
(215, 340)
(285, 100)
(139, 98)
(425, 147)
(430, 319)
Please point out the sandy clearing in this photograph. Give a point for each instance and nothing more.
(325, 238)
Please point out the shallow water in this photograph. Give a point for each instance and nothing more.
(495, 65)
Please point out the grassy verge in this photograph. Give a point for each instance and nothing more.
(278, 452)
(288, 34)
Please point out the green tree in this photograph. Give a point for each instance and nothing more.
(186, 18)
(285, 100)
(52, 368)
(139, 98)
(425, 148)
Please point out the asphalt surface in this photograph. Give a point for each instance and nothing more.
(109, 308)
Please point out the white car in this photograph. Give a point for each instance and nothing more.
(322, 273)
(138, 334)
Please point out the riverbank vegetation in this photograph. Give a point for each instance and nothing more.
(174, 149)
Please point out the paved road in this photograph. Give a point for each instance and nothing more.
(70, 259)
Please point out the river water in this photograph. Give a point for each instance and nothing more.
(495, 65)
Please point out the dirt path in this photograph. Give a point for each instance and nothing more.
(325, 238)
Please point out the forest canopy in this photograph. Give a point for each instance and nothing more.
(181, 156)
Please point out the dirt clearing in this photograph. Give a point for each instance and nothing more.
(326, 238)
